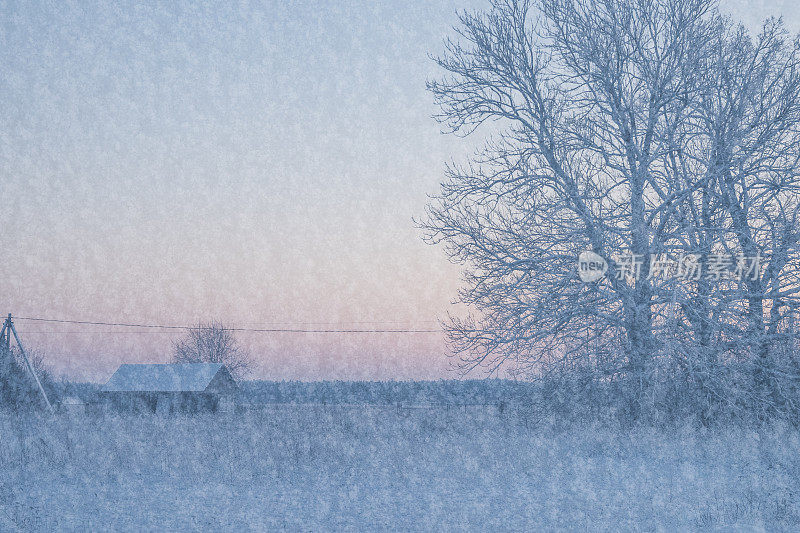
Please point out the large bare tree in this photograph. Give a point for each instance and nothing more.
(651, 128)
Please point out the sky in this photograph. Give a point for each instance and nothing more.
(257, 163)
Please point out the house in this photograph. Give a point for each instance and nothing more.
(184, 387)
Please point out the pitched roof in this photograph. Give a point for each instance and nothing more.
(183, 377)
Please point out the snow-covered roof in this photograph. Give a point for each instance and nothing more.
(183, 377)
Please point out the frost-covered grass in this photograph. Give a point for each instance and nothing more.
(376, 468)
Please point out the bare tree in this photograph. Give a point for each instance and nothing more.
(18, 389)
(213, 343)
(748, 124)
(590, 95)
(645, 128)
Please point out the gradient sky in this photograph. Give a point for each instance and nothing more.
(257, 163)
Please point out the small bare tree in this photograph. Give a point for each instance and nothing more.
(18, 390)
(213, 343)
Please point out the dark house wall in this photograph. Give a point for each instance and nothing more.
(166, 402)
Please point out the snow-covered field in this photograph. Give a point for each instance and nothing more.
(345, 468)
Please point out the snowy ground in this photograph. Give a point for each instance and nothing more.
(345, 468)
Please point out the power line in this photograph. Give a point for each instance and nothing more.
(253, 330)
(91, 332)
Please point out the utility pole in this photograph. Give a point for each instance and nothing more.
(5, 339)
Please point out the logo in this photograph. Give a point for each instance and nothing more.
(591, 266)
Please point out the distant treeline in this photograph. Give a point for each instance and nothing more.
(441, 392)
